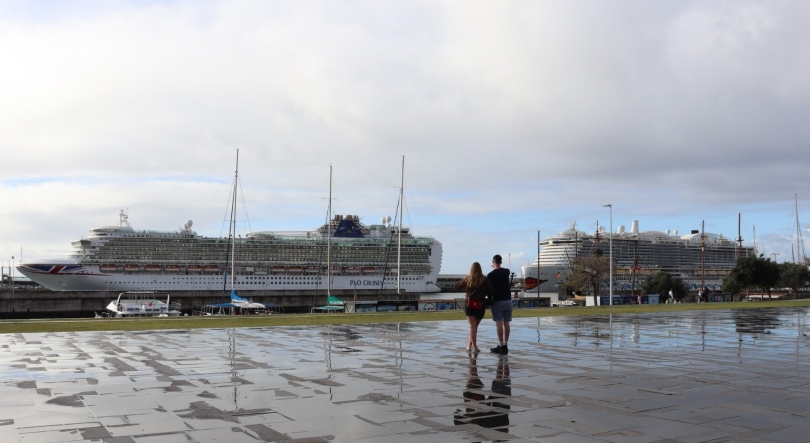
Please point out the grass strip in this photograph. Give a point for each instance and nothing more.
(153, 323)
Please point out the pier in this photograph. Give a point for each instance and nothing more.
(44, 303)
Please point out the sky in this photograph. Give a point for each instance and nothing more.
(513, 118)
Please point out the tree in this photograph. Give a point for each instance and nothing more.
(793, 276)
(769, 276)
(661, 282)
(589, 272)
(753, 271)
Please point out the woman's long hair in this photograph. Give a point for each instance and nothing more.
(476, 277)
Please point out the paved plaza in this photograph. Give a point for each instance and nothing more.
(699, 376)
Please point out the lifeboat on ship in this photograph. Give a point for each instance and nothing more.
(152, 268)
(277, 269)
(352, 270)
(295, 269)
(108, 268)
(172, 268)
(369, 269)
(132, 268)
(311, 269)
(211, 268)
(194, 268)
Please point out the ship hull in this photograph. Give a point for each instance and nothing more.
(550, 279)
(76, 277)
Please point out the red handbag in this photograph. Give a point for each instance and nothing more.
(473, 304)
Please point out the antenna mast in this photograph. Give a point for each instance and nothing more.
(739, 237)
(702, 254)
(755, 240)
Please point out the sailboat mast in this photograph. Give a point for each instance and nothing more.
(799, 254)
(233, 219)
(329, 239)
(399, 234)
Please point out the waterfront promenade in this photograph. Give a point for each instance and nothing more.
(692, 376)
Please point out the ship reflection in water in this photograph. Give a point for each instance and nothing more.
(679, 329)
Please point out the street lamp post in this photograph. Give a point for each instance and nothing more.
(774, 254)
(610, 278)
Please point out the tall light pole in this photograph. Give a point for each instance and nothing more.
(774, 254)
(610, 278)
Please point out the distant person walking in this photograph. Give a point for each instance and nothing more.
(501, 304)
(478, 288)
(671, 296)
(701, 294)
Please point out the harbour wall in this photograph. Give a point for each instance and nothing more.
(44, 303)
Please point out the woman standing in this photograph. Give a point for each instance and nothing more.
(478, 288)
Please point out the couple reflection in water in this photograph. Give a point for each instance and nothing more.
(483, 408)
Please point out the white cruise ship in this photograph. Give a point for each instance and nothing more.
(120, 258)
(643, 252)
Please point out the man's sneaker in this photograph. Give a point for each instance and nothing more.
(496, 349)
(504, 350)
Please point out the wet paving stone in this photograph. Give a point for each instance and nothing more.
(711, 376)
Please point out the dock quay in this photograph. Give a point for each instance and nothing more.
(45, 303)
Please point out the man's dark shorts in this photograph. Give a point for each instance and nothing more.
(502, 310)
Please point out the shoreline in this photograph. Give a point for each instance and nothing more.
(216, 322)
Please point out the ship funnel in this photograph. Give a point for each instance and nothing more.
(620, 230)
(676, 232)
(667, 231)
(634, 227)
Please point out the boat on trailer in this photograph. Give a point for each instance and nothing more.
(142, 304)
(237, 306)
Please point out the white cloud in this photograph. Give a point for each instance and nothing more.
(518, 115)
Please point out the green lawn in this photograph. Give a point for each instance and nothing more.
(142, 324)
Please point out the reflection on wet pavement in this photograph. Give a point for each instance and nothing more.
(736, 376)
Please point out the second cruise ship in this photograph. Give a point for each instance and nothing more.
(636, 255)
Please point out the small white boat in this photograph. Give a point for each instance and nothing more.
(142, 304)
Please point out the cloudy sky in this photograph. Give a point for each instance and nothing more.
(513, 117)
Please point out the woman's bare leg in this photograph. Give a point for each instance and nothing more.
(473, 342)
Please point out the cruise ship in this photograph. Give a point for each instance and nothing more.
(636, 255)
(120, 258)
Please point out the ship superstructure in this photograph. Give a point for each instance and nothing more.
(636, 255)
(121, 258)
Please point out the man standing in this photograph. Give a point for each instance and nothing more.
(501, 303)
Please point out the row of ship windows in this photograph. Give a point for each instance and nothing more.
(314, 254)
(260, 280)
(283, 244)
